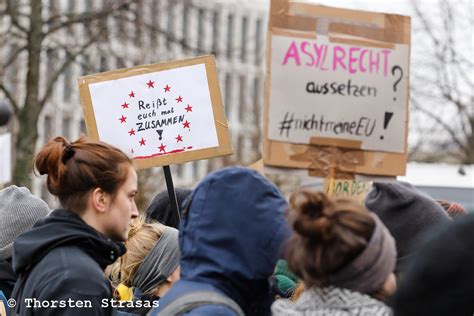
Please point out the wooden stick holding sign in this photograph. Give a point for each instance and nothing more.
(159, 114)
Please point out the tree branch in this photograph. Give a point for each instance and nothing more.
(10, 98)
(84, 18)
(438, 120)
(13, 56)
(13, 16)
(69, 59)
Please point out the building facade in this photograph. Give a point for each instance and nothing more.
(160, 30)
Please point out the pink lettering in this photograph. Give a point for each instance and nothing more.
(374, 62)
(339, 54)
(319, 52)
(292, 53)
(303, 45)
(385, 53)
(352, 59)
(361, 58)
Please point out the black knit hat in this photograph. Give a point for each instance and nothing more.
(160, 207)
(442, 280)
(407, 213)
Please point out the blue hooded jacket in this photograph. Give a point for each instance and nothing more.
(230, 238)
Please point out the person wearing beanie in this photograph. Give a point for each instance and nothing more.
(19, 211)
(408, 214)
(442, 281)
(160, 209)
(344, 255)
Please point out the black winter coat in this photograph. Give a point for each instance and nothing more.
(60, 263)
(7, 277)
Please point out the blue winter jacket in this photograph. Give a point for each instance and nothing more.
(231, 236)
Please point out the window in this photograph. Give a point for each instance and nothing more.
(52, 56)
(230, 35)
(258, 42)
(154, 24)
(179, 170)
(195, 167)
(201, 31)
(48, 128)
(256, 101)
(240, 148)
(71, 6)
(66, 132)
(53, 8)
(67, 83)
(138, 23)
(228, 94)
(243, 45)
(86, 67)
(242, 98)
(170, 26)
(186, 11)
(215, 33)
(103, 64)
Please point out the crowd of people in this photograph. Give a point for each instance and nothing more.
(239, 247)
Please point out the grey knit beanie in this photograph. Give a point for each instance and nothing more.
(160, 207)
(408, 214)
(19, 211)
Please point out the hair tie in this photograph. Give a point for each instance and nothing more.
(68, 153)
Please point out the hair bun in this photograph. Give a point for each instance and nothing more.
(312, 215)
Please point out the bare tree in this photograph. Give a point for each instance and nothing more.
(31, 28)
(442, 81)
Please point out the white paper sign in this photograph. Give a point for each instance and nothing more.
(5, 158)
(324, 89)
(157, 113)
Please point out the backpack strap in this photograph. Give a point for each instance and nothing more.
(192, 300)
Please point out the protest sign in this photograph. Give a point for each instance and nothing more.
(5, 158)
(158, 114)
(336, 90)
(353, 189)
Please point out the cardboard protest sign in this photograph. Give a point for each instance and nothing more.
(353, 189)
(336, 90)
(159, 114)
(5, 158)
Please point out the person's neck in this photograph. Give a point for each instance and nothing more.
(91, 220)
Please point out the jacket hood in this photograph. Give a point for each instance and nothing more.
(63, 228)
(232, 232)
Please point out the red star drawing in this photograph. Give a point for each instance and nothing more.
(167, 88)
(162, 148)
(131, 94)
(123, 119)
(186, 124)
(188, 108)
(179, 99)
(131, 132)
(125, 105)
(179, 138)
(142, 142)
(150, 84)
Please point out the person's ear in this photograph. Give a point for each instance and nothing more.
(100, 200)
